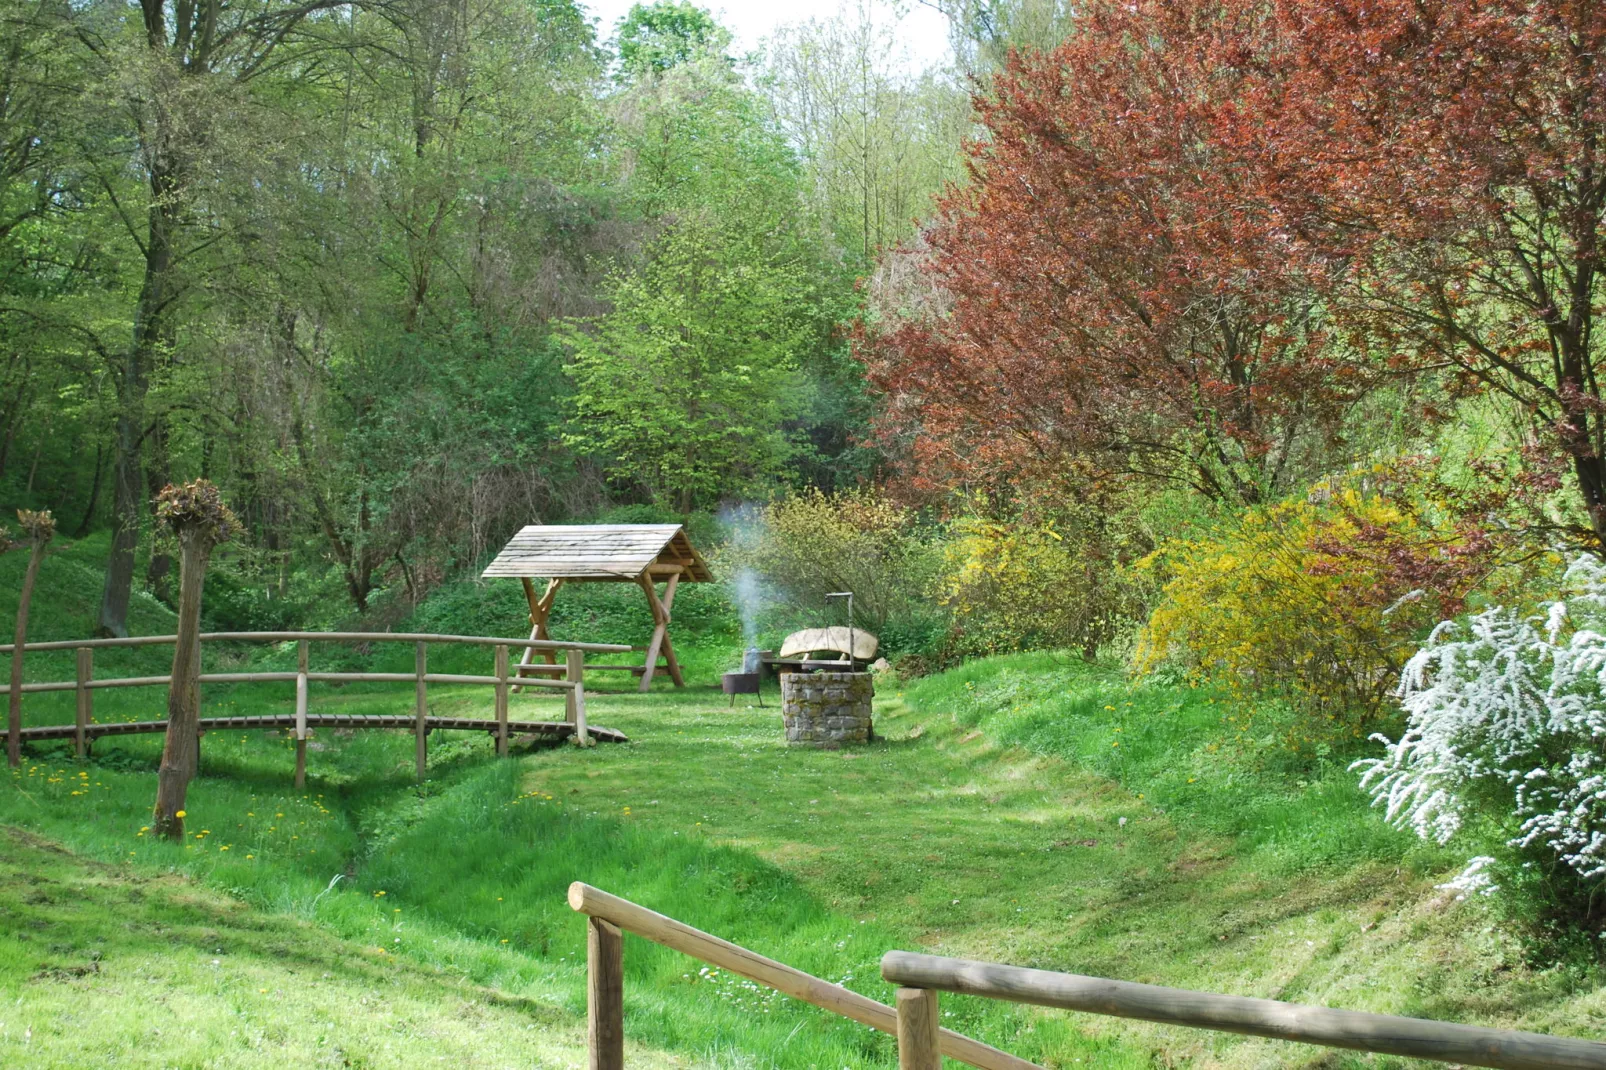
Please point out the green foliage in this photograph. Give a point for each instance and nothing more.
(684, 387)
(655, 37)
(812, 543)
(1322, 599)
(1020, 586)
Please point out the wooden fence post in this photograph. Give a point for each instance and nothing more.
(501, 699)
(86, 700)
(575, 699)
(301, 714)
(605, 995)
(420, 710)
(919, 1042)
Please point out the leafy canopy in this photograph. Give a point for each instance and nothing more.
(655, 37)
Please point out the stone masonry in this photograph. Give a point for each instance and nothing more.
(827, 709)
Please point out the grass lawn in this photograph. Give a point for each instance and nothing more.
(1031, 810)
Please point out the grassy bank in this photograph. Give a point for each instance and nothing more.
(1029, 809)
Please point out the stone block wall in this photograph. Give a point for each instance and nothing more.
(827, 709)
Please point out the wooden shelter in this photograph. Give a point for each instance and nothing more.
(643, 554)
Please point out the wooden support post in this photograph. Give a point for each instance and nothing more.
(605, 995)
(501, 699)
(660, 641)
(540, 610)
(919, 1041)
(86, 700)
(420, 710)
(575, 700)
(573, 672)
(301, 715)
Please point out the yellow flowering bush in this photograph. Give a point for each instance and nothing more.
(1321, 599)
(1023, 586)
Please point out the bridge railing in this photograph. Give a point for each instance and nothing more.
(501, 679)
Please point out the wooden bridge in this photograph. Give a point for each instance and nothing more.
(549, 729)
(85, 729)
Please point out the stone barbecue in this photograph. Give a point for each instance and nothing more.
(827, 709)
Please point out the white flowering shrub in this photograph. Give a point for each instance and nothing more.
(1506, 725)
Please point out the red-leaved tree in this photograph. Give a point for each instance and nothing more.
(1111, 302)
(1439, 171)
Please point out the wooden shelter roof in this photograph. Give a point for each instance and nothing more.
(600, 552)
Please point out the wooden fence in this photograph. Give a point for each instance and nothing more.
(84, 728)
(608, 915)
(921, 977)
(922, 1042)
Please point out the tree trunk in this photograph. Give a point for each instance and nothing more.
(152, 335)
(180, 748)
(94, 492)
(14, 711)
(157, 476)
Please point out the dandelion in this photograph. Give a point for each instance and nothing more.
(179, 814)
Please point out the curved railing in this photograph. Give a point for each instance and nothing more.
(84, 729)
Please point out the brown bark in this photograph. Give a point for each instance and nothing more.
(181, 746)
(14, 711)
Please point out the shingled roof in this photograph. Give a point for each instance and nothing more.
(598, 552)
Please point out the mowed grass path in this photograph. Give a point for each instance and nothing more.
(960, 846)
(939, 836)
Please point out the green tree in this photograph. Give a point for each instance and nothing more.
(655, 37)
(684, 387)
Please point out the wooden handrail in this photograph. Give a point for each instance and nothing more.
(86, 685)
(1385, 1034)
(650, 925)
(336, 637)
(276, 677)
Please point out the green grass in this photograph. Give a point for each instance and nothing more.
(100, 966)
(995, 819)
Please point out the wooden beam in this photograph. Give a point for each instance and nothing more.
(919, 1042)
(661, 616)
(681, 937)
(421, 709)
(605, 995)
(301, 715)
(501, 699)
(1417, 1038)
(86, 701)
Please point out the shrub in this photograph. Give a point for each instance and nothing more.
(1028, 586)
(1323, 599)
(1506, 724)
(813, 543)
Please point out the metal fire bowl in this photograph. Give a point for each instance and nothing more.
(740, 683)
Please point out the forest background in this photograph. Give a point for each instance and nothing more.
(1245, 342)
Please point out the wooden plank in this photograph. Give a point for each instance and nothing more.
(86, 701)
(501, 699)
(605, 995)
(301, 714)
(323, 720)
(919, 1044)
(1386, 1034)
(337, 637)
(678, 936)
(420, 709)
(576, 706)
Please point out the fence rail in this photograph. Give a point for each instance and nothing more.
(922, 1042)
(922, 976)
(502, 680)
(608, 915)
